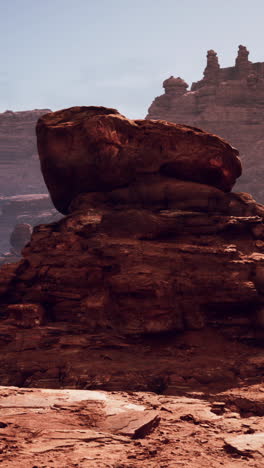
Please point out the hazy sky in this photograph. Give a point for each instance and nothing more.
(116, 53)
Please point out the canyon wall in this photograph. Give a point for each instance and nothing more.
(23, 193)
(228, 102)
(19, 165)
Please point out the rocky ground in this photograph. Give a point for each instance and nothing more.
(202, 392)
(95, 429)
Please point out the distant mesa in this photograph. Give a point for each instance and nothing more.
(20, 174)
(19, 169)
(228, 102)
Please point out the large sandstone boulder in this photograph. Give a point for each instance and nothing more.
(94, 149)
(19, 165)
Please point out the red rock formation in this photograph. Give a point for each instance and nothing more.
(87, 306)
(228, 102)
(211, 72)
(89, 149)
(160, 254)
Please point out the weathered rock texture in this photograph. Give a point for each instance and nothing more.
(228, 102)
(154, 253)
(90, 149)
(91, 429)
(19, 164)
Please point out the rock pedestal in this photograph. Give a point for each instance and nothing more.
(153, 242)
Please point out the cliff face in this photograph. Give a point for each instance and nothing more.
(141, 251)
(228, 102)
(19, 165)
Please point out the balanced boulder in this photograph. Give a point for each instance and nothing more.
(95, 149)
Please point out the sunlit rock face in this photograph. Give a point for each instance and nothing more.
(153, 239)
(228, 102)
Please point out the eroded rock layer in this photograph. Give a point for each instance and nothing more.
(228, 102)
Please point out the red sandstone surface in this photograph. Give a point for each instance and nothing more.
(228, 102)
(91, 429)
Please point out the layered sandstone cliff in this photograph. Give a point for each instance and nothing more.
(228, 102)
(153, 242)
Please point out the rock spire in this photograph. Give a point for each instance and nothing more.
(211, 71)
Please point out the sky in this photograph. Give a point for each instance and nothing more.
(116, 53)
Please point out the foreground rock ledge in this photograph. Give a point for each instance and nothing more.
(91, 149)
(91, 429)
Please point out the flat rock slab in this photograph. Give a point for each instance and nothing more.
(135, 424)
(113, 414)
(47, 398)
(246, 443)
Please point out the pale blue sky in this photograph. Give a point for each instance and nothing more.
(60, 53)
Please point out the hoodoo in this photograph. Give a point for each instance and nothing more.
(153, 242)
